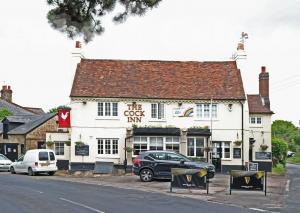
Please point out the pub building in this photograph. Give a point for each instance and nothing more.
(199, 109)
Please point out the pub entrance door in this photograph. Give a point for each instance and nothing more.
(217, 155)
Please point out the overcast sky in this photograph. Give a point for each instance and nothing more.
(36, 60)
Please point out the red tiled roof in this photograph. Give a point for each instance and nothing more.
(158, 80)
(256, 105)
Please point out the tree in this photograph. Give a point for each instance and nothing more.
(55, 109)
(4, 113)
(83, 17)
(283, 129)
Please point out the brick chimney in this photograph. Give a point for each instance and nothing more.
(264, 86)
(6, 93)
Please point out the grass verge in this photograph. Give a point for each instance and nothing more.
(278, 170)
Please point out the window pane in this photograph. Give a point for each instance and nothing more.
(100, 147)
(136, 139)
(169, 139)
(143, 139)
(214, 111)
(226, 146)
(43, 156)
(158, 156)
(100, 109)
(107, 109)
(59, 148)
(258, 120)
(52, 156)
(174, 157)
(199, 142)
(252, 120)
(191, 147)
(107, 147)
(199, 152)
(153, 110)
(176, 139)
(199, 110)
(115, 147)
(161, 113)
(206, 111)
(115, 109)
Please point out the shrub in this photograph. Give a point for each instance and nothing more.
(279, 150)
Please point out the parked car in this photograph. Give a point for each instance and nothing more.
(35, 161)
(290, 154)
(157, 164)
(4, 163)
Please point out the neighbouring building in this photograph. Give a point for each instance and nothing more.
(25, 129)
(199, 109)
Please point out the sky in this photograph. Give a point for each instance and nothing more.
(36, 60)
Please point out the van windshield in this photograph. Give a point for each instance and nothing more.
(43, 156)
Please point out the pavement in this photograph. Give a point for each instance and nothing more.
(22, 193)
(218, 190)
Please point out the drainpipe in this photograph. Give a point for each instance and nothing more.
(242, 105)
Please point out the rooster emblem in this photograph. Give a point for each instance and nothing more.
(64, 116)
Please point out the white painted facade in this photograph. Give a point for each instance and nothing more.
(88, 127)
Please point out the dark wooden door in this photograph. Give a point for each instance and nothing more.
(11, 151)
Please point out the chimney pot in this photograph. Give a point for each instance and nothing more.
(263, 69)
(78, 44)
(6, 93)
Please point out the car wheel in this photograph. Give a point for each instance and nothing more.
(30, 172)
(146, 175)
(12, 170)
(51, 173)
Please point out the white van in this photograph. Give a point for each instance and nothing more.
(35, 161)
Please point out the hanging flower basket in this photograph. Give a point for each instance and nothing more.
(50, 144)
(79, 143)
(264, 147)
(128, 149)
(207, 149)
(68, 143)
(237, 143)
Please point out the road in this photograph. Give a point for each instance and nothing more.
(293, 189)
(21, 193)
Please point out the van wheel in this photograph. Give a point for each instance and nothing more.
(51, 173)
(30, 172)
(146, 175)
(12, 170)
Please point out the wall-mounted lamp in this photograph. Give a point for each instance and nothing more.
(230, 107)
(84, 102)
(179, 104)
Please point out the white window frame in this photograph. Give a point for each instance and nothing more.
(253, 120)
(107, 109)
(172, 142)
(138, 140)
(223, 150)
(203, 108)
(195, 147)
(112, 142)
(60, 147)
(158, 111)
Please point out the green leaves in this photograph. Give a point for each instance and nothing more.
(83, 17)
(4, 113)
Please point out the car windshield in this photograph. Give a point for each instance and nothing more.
(2, 157)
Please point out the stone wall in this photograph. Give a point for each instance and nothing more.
(39, 134)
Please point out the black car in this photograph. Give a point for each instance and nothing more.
(158, 164)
